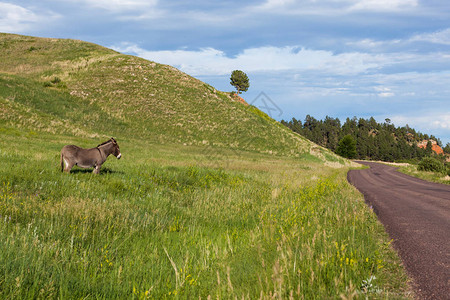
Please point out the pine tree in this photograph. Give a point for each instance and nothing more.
(240, 81)
(347, 147)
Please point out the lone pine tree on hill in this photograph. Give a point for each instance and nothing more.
(240, 81)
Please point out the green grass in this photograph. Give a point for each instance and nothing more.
(27, 104)
(166, 221)
(210, 198)
(429, 176)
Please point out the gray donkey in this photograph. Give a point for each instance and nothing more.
(72, 155)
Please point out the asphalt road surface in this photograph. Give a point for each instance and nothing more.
(416, 214)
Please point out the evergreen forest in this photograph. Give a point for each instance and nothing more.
(373, 140)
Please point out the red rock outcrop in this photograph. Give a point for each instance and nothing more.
(434, 146)
(239, 99)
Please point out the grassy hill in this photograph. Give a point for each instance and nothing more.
(211, 198)
(84, 89)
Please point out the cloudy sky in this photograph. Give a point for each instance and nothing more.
(341, 58)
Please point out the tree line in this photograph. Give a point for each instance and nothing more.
(365, 138)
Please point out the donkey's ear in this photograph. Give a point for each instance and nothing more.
(113, 140)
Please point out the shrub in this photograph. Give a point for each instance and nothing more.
(431, 164)
(56, 80)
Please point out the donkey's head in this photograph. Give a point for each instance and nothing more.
(116, 149)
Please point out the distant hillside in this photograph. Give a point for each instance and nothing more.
(376, 141)
(78, 88)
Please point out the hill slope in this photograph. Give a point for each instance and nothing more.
(79, 88)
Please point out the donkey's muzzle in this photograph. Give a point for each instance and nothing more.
(119, 156)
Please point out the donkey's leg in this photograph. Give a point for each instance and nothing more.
(68, 165)
(97, 169)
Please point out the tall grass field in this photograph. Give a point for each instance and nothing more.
(165, 221)
(211, 199)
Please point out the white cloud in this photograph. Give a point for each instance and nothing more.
(384, 92)
(303, 7)
(443, 123)
(17, 19)
(438, 37)
(334, 7)
(210, 61)
(275, 4)
(370, 44)
(120, 5)
(383, 5)
(429, 121)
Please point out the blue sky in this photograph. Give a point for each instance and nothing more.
(341, 58)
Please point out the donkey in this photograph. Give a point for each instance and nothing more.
(72, 155)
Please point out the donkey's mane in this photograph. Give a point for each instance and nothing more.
(104, 143)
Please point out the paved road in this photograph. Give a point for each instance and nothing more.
(416, 214)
